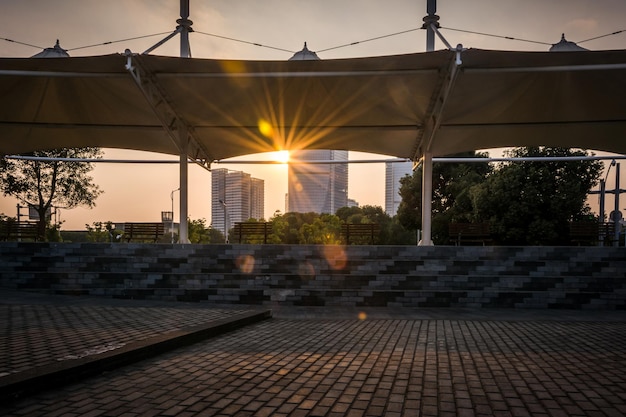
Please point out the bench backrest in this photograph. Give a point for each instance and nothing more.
(143, 231)
(12, 230)
(243, 230)
(367, 232)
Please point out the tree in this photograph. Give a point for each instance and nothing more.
(199, 232)
(391, 232)
(103, 232)
(44, 185)
(287, 228)
(324, 230)
(529, 203)
(451, 197)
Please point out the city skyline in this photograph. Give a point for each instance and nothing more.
(141, 192)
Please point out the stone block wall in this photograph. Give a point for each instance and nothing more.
(301, 275)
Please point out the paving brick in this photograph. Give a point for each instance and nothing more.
(337, 366)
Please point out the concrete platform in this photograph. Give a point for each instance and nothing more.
(307, 361)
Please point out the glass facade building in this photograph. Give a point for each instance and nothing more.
(394, 171)
(235, 197)
(319, 188)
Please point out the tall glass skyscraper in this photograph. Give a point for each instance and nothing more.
(235, 197)
(394, 171)
(319, 188)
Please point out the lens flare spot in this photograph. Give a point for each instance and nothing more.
(245, 263)
(362, 315)
(233, 67)
(266, 128)
(335, 256)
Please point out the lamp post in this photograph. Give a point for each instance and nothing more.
(172, 198)
(223, 203)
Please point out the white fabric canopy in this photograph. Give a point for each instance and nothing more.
(443, 102)
(408, 106)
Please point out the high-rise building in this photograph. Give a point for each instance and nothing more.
(257, 198)
(319, 188)
(235, 197)
(394, 171)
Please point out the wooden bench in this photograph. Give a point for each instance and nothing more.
(464, 233)
(13, 230)
(143, 231)
(591, 233)
(244, 230)
(360, 233)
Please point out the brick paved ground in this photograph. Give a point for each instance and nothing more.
(38, 330)
(390, 363)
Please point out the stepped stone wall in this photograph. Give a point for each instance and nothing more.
(313, 275)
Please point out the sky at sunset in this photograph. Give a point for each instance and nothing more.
(140, 192)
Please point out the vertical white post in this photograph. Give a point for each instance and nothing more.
(427, 197)
(602, 213)
(183, 235)
(616, 209)
(427, 158)
(184, 184)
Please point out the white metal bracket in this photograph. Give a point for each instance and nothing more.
(434, 115)
(163, 109)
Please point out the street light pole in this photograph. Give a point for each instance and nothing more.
(223, 203)
(172, 198)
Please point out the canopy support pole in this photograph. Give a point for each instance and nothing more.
(427, 198)
(183, 235)
(430, 23)
(184, 26)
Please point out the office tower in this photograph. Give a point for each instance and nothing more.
(235, 197)
(394, 171)
(319, 188)
(257, 198)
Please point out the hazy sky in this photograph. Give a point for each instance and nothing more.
(141, 192)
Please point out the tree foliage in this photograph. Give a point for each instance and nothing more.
(103, 232)
(312, 228)
(199, 232)
(532, 202)
(44, 185)
(451, 195)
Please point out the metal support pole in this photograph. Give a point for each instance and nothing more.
(183, 135)
(172, 228)
(430, 22)
(427, 196)
(184, 185)
(602, 213)
(185, 27)
(226, 228)
(616, 219)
